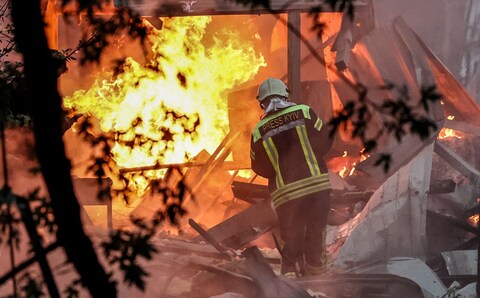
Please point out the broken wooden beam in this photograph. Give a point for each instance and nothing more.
(245, 226)
(457, 101)
(183, 247)
(222, 249)
(458, 163)
(442, 186)
(401, 153)
(219, 281)
(458, 223)
(463, 127)
(293, 59)
(343, 43)
(249, 192)
(361, 285)
(167, 8)
(268, 284)
(227, 165)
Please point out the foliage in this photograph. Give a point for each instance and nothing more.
(124, 21)
(346, 6)
(6, 33)
(42, 211)
(73, 289)
(400, 116)
(9, 221)
(29, 287)
(125, 248)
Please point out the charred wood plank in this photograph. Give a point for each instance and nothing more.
(458, 223)
(457, 163)
(343, 43)
(442, 186)
(217, 196)
(220, 281)
(457, 101)
(293, 61)
(436, 261)
(207, 236)
(244, 227)
(460, 126)
(361, 285)
(181, 247)
(216, 159)
(227, 165)
(249, 192)
(165, 8)
(269, 285)
(401, 153)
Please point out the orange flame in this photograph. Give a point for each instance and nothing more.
(345, 165)
(474, 220)
(450, 133)
(142, 92)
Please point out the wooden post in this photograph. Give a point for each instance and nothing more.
(294, 80)
(51, 20)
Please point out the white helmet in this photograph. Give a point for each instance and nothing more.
(272, 86)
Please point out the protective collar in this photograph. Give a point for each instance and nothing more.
(277, 103)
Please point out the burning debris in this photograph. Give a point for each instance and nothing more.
(176, 106)
(409, 231)
(386, 229)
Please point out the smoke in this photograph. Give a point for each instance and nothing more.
(441, 24)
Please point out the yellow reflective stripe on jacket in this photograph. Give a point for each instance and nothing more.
(307, 150)
(273, 156)
(318, 124)
(252, 154)
(280, 199)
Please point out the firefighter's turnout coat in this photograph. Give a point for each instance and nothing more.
(287, 148)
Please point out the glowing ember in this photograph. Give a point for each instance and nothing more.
(345, 165)
(474, 220)
(246, 174)
(182, 78)
(450, 133)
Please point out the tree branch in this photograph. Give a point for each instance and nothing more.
(46, 114)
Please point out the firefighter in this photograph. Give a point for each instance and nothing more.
(287, 148)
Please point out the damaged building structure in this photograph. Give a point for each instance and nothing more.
(408, 231)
